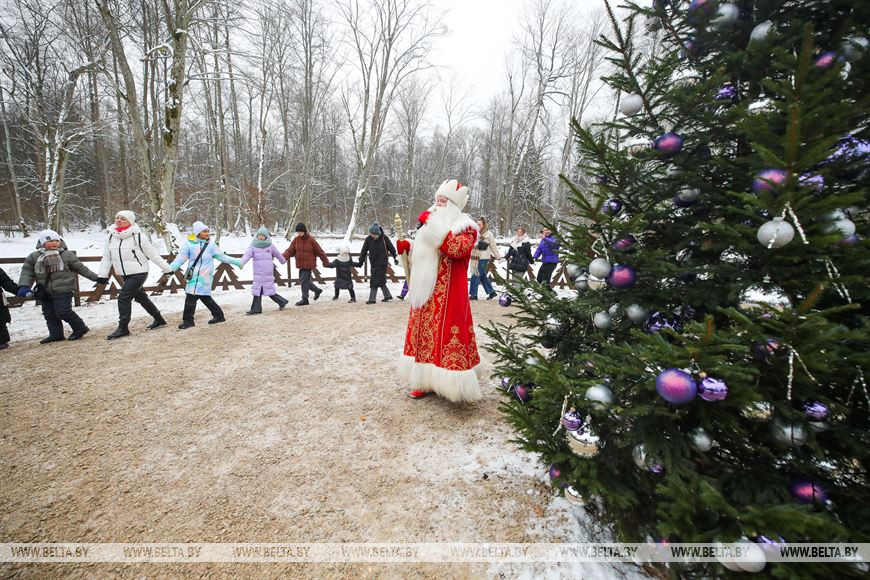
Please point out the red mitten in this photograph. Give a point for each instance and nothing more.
(423, 217)
(403, 246)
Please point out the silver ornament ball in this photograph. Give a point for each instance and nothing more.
(761, 33)
(637, 313)
(775, 233)
(726, 16)
(600, 395)
(701, 440)
(631, 104)
(602, 320)
(600, 268)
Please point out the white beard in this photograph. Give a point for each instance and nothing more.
(426, 253)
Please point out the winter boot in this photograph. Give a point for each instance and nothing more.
(217, 319)
(317, 292)
(120, 332)
(157, 323)
(79, 333)
(50, 339)
(387, 295)
(256, 305)
(373, 294)
(302, 303)
(492, 295)
(185, 324)
(282, 302)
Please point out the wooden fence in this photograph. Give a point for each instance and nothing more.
(226, 276)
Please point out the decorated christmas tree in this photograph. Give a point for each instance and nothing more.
(706, 381)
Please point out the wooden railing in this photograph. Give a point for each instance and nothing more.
(226, 276)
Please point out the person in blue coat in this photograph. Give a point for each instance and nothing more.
(547, 251)
(200, 253)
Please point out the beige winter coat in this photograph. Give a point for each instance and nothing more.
(491, 252)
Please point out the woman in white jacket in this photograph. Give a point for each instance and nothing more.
(128, 252)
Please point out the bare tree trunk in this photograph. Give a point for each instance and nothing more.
(10, 163)
(122, 140)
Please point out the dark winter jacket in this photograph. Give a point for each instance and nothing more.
(547, 250)
(6, 283)
(307, 250)
(55, 282)
(343, 274)
(519, 256)
(378, 251)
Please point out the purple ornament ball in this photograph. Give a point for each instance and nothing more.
(826, 59)
(624, 244)
(668, 144)
(506, 383)
(763, 350)
(702, 6)
(676, 386)
(523, 393)
(767, 179)
(556, 476)
(611, 207)
(711, 389)
(727, 93)
(505, 300)
(622, 276)
(808, 491)
(850, 240)
(572, 421)
(657, 322)
(816, 410)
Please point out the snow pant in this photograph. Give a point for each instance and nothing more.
(190, 306)
(130, 291)
(56, 309)
(350, 290)
(480, 277)
(546, 272)
(4, 333)
(306, 283)
(373, 292)
(257, 303)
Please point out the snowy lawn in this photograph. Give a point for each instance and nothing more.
(284, 427)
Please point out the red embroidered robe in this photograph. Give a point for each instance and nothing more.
(440, 352)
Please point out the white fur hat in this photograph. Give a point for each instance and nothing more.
(128, 215)
(198, 228)
(454, 191)
(48, 236)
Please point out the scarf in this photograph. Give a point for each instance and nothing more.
(49, 261)
(258, 243)
(517, 241)
(124, 228)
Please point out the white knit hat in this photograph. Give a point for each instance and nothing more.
(128, 215)
(454, 191)
(198, 228)
(48, 236)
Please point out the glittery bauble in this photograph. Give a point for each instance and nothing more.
(602, 320)
(826, 59)
(726, 16)
(689, 194)
(631, 104)
(761, 33)
(596, 283)
(775, 233)
(505, 300)
(611, 207)
(584, 442)
(676, 386)
(622, 276)
(789, 435)
(758, 411)
(726, 93)
(582, 282)
(711, 389)
(659, 321)
(636, 313)
(600, 268)
(506, 383)
(555, 471)
(624, 244)
(808, 491)
(653, 465)
(573, 270)
(669, 144)
(600, 395)
(573, 496)
(523, 393)
(816, 410)
(572, 420)
(768, 179)
(701, 440)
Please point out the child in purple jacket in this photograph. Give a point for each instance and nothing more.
(263, 251)
(547, 252)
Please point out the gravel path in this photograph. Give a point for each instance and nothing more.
(284, 427)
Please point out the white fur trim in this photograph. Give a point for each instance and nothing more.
(450, 190)
(455, 386)
(426, 256)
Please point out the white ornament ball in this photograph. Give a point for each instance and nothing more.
(726, 16)
(846, 227)
(754, 559)
(596, 283)
(701, 440)
(600, 268)
(638, 145)
(853, 47)
(614, 310)
(602, 320)
(637, 313)
(599, 394)
(688, 194)
(730, 564)
(775, 233)
(573, 270)
(631, 104)
(761, 33)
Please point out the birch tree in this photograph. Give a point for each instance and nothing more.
(388, 42)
